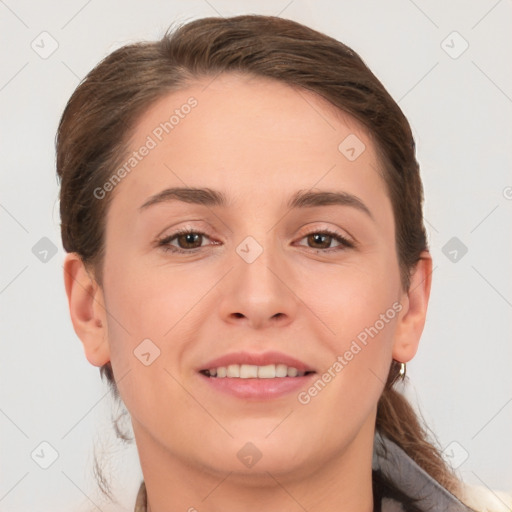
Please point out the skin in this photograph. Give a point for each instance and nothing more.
(258, 141)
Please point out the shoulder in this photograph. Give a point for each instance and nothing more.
(482, 499)
(426, 493)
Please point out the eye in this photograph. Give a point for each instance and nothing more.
(323, 240)
(188, 240)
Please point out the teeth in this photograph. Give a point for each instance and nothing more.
(267, 372)
(281, 370)
(250, 371)
(292, 372)
(233, 370)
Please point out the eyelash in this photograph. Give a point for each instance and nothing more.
(164, 242)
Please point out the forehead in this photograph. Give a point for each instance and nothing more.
(237, 132)
(263, 106)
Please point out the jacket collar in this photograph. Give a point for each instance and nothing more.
(411, 479)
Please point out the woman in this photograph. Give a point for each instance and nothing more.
(248, 266)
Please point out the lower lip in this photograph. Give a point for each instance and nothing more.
(258, 389)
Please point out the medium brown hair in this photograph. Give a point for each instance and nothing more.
(101, 115)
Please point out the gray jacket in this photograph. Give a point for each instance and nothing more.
(412, 480)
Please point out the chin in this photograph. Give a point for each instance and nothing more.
(253, 457)
(257, 472)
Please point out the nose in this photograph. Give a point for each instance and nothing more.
(259, 292)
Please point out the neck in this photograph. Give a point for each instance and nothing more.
(344, 481)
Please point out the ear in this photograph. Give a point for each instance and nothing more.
(412, 317)
(87, 310)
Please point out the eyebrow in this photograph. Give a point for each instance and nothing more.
(213, 198)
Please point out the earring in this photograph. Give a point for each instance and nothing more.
(396, 372)
(403, 371)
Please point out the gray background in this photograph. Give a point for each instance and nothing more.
(459, 104)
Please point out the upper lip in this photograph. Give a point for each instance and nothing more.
(257, 359)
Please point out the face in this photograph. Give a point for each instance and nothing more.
(311, 286)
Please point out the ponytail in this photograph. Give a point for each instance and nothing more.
(397, 420)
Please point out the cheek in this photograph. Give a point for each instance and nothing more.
(363, 317)
(155, 317)
(151, 300)
(356, 297)
(360, 306)
(147, 318)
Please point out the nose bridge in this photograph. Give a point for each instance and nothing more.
(257, 263)
(258, 288)
(258, 252)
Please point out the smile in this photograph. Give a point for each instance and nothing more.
(249, 371)
(256, 376)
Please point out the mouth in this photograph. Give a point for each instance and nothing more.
(250, 371)
(256, 376)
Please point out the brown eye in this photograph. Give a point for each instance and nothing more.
(188, 241)
(322, 240)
